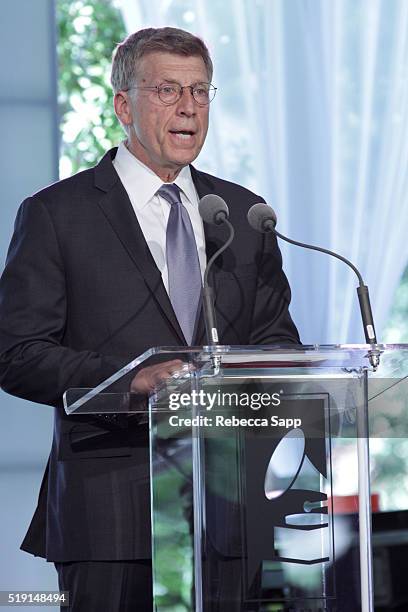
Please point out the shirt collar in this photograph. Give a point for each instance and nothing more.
(143, 183)
(184, 180)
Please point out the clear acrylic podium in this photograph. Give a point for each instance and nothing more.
(247, 448)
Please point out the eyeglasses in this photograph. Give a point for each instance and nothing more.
(170, 93)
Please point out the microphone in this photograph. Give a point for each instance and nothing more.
(213, 210)
(262, 218)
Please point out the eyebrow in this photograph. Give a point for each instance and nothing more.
(177, 83)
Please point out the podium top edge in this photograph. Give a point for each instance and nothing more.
(286, 348)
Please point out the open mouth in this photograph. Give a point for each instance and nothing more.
(182, 134)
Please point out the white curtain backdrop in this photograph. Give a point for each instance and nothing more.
(312, 113)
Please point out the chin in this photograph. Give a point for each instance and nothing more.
(183, 156)
(184, 160)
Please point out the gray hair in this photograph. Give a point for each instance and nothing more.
(150, 40)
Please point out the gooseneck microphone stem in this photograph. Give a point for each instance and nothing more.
(208, 292)
(362, 289)
(262, 218)
(316, 248)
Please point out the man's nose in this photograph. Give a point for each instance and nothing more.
(186, 104)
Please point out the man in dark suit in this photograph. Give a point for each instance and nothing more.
(90, 282)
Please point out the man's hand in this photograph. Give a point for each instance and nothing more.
(150, 377)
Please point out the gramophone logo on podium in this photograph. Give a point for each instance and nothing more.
(289, 528)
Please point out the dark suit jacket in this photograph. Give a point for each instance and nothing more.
(79, 298)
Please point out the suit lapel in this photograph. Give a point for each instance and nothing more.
(118, 209)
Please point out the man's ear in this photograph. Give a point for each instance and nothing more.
(122, 106)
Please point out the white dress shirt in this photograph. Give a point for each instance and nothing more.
(152, 211)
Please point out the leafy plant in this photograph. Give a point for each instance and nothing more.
(88, 32)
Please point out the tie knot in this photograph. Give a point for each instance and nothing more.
(170, 192)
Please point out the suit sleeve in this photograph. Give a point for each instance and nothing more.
(271, 321)
(34, 363)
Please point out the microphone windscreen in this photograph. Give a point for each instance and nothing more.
(213, 209)
(259, 215)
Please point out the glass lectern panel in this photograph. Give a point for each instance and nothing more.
(260, 478)
(262, 452)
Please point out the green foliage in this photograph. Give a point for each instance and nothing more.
(88, 32)
(173, 548)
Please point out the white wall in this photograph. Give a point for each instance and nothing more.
(29, 161)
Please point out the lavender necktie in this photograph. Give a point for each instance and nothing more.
(182, 262)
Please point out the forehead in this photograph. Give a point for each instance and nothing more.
(172, 67)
